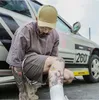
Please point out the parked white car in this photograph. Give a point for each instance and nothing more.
(80, 54)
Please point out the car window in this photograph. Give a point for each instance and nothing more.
(62, 26)
(36, 5)
(18, 6)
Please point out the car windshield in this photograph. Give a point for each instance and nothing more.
(18, 6)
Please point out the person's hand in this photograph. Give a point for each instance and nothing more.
(68, 76)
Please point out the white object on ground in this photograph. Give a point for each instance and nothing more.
(66, 98)
(57, 92)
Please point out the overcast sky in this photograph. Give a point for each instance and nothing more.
(85, 11)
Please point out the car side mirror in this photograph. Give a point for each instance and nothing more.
(76, 27)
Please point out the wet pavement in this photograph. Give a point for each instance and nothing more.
(77, 90)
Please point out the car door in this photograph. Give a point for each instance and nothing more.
(13, 13)
(66, 46)
(82, 49)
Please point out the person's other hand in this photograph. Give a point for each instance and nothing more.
(68, 76)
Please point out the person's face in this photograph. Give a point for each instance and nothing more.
(44, 30)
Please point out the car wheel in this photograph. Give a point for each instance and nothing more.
(93, 77)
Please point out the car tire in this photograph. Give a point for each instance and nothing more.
(93, 76)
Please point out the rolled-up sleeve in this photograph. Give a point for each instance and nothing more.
(55, 47)
(18, 48)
